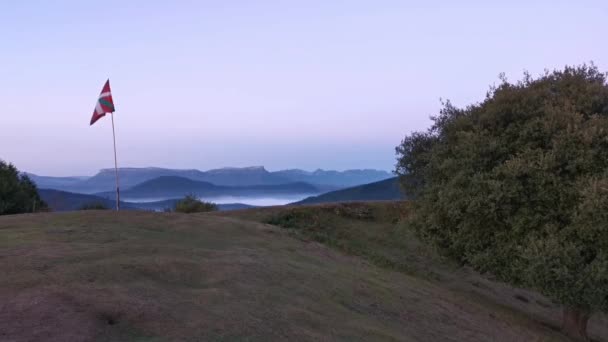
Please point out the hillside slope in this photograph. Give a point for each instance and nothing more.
(385, 190)
(134, 276)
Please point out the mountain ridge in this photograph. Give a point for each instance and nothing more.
(175, 187)
(104, 180)
(58, 200)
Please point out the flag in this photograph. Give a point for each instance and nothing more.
(104, 105)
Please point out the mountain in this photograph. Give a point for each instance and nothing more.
(257, 175)
(53, 182)
(68, 201)
(242, 176)
(176, 187)
(335, 178)
(58, 200)
(104, 180)
(387, 189)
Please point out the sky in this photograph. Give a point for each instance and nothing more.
(284, 84)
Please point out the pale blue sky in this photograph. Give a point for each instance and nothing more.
(205, 84)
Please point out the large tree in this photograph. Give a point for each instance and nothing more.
(517, 186)
(18, 194)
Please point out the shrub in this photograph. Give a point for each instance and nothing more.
(191, 204)
(94, 206)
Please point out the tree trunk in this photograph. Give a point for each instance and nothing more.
(574, 323)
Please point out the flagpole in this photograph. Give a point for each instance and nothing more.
(115, 165)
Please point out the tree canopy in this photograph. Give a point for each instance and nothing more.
(517, 186)
(18, 194)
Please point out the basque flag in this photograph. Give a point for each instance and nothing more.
(104, 105)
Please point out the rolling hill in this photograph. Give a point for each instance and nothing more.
(58, 200)
(386, 190)
(142, 276)
(177, 187)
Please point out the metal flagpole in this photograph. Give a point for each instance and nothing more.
(115, 165)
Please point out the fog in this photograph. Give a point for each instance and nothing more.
(250, 200)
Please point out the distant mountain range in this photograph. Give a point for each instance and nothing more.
(384, 190)
(233, 177)
(53, 182)
(68, 201)
(177, 187)
(58, 200)
(341, 179)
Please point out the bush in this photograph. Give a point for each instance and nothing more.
(191, 204)
(517, 186)
(18, 194)
(94, 206)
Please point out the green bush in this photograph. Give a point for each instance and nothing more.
(94, 206)
(517, 186)
(18, 194)
(191, 204)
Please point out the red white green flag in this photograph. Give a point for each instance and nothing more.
(104, 105)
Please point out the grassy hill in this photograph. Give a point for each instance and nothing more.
(140, 276)
(385, 190)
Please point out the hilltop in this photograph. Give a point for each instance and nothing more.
(134, 276)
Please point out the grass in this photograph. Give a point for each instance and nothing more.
(375, 231)
(141, 276)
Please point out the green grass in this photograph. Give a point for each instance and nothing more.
(140, 276)
(376, 231)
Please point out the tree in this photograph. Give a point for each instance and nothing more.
(18, 194)
(517, 186)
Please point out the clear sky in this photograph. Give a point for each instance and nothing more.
(285, 84)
